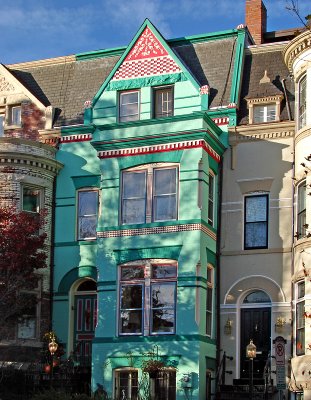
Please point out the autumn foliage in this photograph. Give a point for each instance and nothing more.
(22, 254)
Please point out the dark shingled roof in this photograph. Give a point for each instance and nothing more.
(67, 84)
(255, 65)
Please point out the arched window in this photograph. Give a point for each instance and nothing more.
(258, 296)
(302, 102)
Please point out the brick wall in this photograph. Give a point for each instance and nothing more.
(256, 19)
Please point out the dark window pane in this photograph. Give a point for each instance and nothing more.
(87, 227)
(164, 208)
(31, 199)
(256, 208)
(128, 273)
(165, 181)
(134, 197)
(131, 296)
(163, 321)
(257, 297)
(163, 101)
(256, 235)
(164, 271)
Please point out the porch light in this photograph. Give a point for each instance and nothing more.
(228, 327)
(251, 350)
(53, 346)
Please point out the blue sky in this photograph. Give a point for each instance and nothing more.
(36, 29)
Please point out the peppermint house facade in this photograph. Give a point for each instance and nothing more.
(139, 198)
(181, 209)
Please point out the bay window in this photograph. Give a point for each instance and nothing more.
(256, 222)
(87, 214)
(211, 198)
(147, 298)
(209, 300)
(149, 193)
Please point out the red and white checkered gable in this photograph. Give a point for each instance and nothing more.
(147, 58)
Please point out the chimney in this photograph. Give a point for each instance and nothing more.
(256, 19)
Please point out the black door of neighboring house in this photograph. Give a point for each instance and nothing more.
(256, 326)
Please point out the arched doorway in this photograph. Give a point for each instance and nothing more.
(256, 326)
(85, 319)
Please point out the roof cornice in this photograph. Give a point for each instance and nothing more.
(42, 63)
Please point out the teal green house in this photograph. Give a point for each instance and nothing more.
(137, 213)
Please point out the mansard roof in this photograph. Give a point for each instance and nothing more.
(259, 59)
(67, 82)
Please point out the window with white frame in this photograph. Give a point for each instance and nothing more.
(302, 102)
(211, 198)
(264, 113)
(149, 193)
(300, 318)
(1, 124)
(126, 384)
(15, 115)
(87, 214)
(26, 327)
(32, 199)
(301, 210)
(147, 304)
(256, 222)
(129, 106)
(163, 101)
(209, 299)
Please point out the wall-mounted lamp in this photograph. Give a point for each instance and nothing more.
(279, 325)
(228, 327)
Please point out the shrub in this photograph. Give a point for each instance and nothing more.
(59, 395)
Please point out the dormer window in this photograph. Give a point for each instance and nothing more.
(129, 106)
(264, 113)
(266, 106)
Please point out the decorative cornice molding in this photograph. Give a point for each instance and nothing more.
(44, 63)
(157, 230)
(221, 121)
(76, 138)
(302, 134)
(296, 47)
(266, 48)
(22, 160)
(262, 131)
(160, 148)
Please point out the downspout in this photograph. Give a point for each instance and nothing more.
(218, 246)
(52, 253)
(289, 113)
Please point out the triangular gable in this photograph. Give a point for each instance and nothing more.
(148, 56)
(10, 85)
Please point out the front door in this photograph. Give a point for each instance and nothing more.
(85, 321)
(256, 326)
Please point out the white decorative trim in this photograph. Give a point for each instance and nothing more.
(221, 121)
(135, 151)
(204, 89)
(76, 138)
(157, 230)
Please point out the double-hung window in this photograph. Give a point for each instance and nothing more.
(129, 106)
(87, 214)
(15, 116)
(211, 198)
(264, 113)
(147, 298)
(32, 199)
(302, 102)
(149, 194)
(209, 300)
(256, 222)
(1, 124)
(300, 318)
(163, 101)
(26, 328)
(301, 210)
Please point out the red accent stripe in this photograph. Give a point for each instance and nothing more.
(85, 336)
(79, 315)
(87, 315)
(205, 148)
